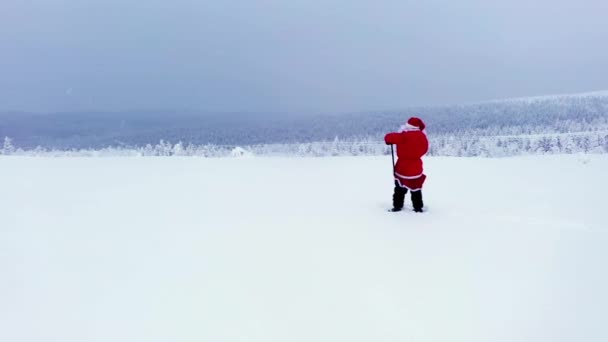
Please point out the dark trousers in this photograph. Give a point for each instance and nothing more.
(399, 198)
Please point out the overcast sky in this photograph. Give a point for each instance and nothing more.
(295, 55)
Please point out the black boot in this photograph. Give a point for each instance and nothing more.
(398, 197)
(417, 201)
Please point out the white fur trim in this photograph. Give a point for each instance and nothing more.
(408, 177)
(408, 128)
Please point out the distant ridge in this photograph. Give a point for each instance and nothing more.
(549, 114)
(598, 93)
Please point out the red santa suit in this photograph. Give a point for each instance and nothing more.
(412, 144)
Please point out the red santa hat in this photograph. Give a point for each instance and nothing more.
(413, 124)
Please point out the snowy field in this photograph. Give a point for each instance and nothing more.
(277, 249)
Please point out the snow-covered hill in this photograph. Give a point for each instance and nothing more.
(555, 97)
(188, 249)
(538, 115)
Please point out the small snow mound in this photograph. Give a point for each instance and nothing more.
(584, 159)
(239, 152)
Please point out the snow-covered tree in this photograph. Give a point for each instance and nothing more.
(178, 149)
(7, 147)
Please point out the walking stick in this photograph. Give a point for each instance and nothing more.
(393, 158)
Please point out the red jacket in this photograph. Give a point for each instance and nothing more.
(411, 146)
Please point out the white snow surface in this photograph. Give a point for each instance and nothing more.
(302, 249)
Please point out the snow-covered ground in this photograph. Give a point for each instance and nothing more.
(278, 249)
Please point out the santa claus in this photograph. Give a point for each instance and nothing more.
(411, 143)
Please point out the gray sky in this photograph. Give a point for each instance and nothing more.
(295, 55)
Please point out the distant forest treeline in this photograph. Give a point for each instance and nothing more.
(448, 126)
(459, 146)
